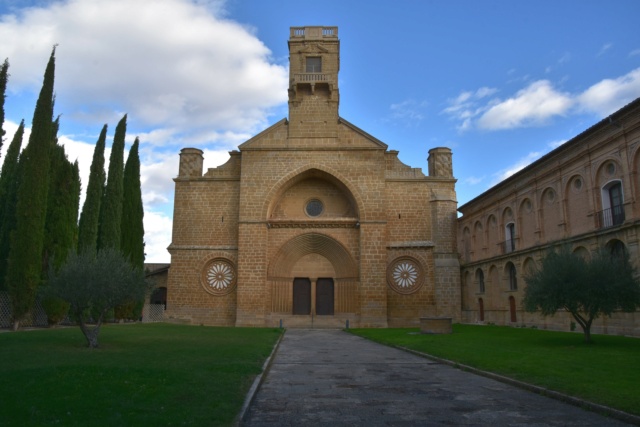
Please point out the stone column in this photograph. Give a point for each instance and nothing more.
(373, 285)
(253, 301)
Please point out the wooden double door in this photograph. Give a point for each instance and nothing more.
(307, 295)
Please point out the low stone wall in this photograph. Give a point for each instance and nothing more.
(435, 325)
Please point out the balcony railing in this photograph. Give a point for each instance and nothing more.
(313, 32)
(610, 217)
(507, 246)
(312, 77)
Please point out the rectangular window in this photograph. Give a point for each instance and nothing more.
(314, 64)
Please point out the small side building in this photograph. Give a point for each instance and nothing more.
(584, 194)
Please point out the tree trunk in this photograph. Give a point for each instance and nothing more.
(91, 334)
(15, 325)
(92, 337)
(587, 332)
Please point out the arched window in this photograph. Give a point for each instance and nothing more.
(513, 281)
(480, 278)
(617, 249)
(481, 309)
(466, 244)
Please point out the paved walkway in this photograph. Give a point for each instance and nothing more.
(333, 378)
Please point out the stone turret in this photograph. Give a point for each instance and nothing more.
(190, 163)
(440, 164)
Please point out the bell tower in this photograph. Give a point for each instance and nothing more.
(314, 62)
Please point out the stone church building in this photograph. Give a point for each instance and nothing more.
(313, 222)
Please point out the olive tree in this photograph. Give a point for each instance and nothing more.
(585, 288)
(93, 285)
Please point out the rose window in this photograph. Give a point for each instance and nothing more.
(219, 276)
(404, 275)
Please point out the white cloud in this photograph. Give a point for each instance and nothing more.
(516, 167)
(607, 96)
(466, 106)
(10, 128)
(169, 63)
(408, 111)
(157, 236)
(604, 49)
(185, 75)
(532, 105)
(539, 102)
(521, 163)
(474, 180)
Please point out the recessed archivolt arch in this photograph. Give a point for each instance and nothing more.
(604, 172)
(575, 184)
(507, 215)
(313, 243)
(309, 171)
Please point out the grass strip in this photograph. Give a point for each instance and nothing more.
(605, 372)
(142, 374)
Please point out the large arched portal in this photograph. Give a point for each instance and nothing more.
(313, 274)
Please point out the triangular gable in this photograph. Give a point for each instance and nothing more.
(276, 136)
(375, 141)
(260, 140)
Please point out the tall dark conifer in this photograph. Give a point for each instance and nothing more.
(90, 216)
(4, 77)
(61, 229)
(132, 237)
(25, 257)
(8, 194)
(111, 208)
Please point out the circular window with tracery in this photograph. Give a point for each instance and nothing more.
(219, 276)
(314, 207)
(404, 275)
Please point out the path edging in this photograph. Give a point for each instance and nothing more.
(585, 404)
(257, 382)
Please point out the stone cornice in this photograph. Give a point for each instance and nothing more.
(335, 223)
(411, 244)
(201, 248)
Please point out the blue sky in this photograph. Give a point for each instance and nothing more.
(499, 82)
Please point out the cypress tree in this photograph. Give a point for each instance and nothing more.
(4, 77)
(111, 208)
(90, 216)
(8, 189)
(132, 237)
(25, 256)
(61, 227)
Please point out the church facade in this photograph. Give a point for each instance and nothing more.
(313, 222)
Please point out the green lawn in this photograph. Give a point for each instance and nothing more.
(142, 374)
(607, 372)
